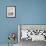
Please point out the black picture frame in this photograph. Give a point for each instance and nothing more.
(14, 16)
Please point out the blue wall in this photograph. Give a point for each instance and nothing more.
(31, 11)
(27, 12)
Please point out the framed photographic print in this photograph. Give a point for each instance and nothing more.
(11, 12)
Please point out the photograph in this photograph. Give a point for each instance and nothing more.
(11, 11)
